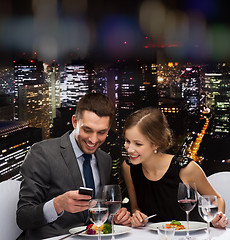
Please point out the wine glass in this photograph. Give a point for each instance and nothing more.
(187, 199)
(208, 208)
(112, 196)
(98, 213)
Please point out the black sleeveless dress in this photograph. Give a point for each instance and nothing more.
(160, 196)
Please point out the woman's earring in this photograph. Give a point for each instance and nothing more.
(155, 151)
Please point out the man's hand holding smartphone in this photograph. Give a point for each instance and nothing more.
(86, 191)
(73, 201)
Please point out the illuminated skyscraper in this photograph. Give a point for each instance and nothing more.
(15, 140)
(128, 78)
(74, 84)
(190, 81)
(217, 93)
(135, 88)
(34, 106)
(147, 94)
(26, 72)
(169, 80)
(212, 87)
(53, 80)
(222, 115)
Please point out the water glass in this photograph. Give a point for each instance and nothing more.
(208, 208)
(98, 213)
(165, 233)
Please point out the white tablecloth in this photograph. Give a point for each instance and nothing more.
(146, 234)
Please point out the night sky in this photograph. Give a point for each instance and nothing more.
(67, 29)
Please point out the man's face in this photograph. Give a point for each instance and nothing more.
(90, 131)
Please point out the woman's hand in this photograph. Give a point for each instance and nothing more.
(137, 219)
(220, 220)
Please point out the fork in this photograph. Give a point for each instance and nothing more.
(73, 234)
(148, 217)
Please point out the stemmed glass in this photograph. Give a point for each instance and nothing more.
(187, 199)
(98, 213)
(112, 196)
(208, 208)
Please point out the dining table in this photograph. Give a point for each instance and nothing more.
(146, 233)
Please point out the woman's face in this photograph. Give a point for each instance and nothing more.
(139, 148)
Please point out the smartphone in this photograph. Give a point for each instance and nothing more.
(86, 191)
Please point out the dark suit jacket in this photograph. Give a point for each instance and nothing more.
(50, 169)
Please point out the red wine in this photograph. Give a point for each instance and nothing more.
(113, 206)
(187, 204)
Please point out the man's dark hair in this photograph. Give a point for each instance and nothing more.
(98, 103)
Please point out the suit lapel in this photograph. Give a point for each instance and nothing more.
(70, 160)
(101, 167)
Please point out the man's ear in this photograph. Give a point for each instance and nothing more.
(74, 121)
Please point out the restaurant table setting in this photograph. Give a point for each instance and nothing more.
(148, 232)
(101, 209)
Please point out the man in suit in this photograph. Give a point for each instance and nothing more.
(53, 170)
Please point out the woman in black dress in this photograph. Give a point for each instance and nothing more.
(152, 176)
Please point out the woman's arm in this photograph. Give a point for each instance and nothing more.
(130, 187)
(194, 173)
(137, 215)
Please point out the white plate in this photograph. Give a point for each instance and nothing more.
(118, 229)
(193, 226)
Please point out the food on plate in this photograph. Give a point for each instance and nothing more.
(92, 229)
(89, 230)
(107, 228)
(175, 224)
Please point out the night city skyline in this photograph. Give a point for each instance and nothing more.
(173, 55)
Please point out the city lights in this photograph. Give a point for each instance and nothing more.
(164, 56)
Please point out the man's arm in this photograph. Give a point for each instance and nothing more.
(34, 188)
(38, 181)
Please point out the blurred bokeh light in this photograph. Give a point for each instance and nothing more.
(59, 28)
